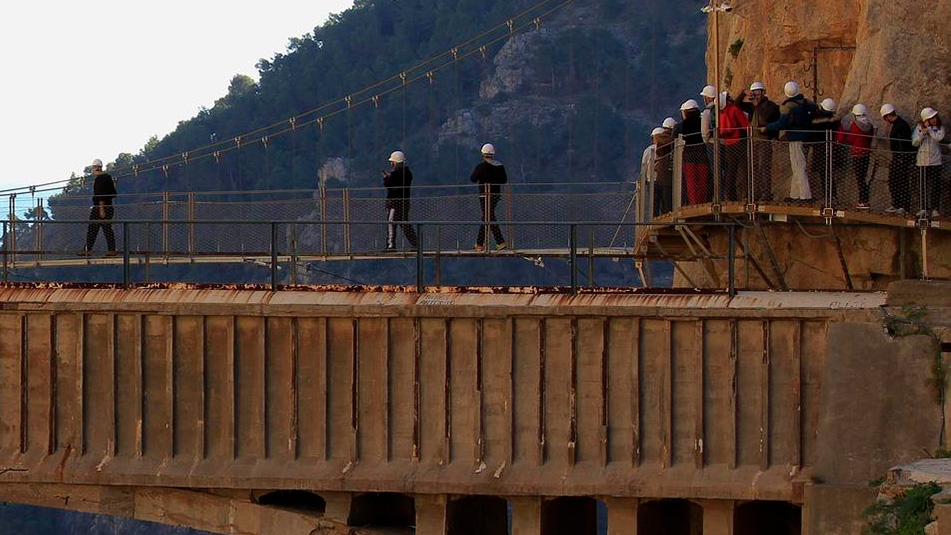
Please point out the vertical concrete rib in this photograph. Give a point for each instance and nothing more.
(734, 443)
(603, 416)
(764, 430)
(189, 385)
(354, 390)
(387, 400)
(479, 395)
(219, 386)
(635, 392)
(417, 356)
(513, 377)
(294, 414)
(797, 394)
(201, 410)
(542, 433)
(138, 351)
(699, 435)
(573, 393)
(447, 393)
(667, 398)
(40, 373)
(81, 378)
(51, 438)
(24, 384)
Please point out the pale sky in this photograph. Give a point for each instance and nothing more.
(91, 79)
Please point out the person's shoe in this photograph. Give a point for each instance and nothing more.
(891, 210)
(112, 253)
(899, 211)
(390, 249)
(862, 206)
(935, 214)
(922, 214)
(501, 246)
(83, 253)
(479, 248)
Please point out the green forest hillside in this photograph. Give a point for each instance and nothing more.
(570, 99)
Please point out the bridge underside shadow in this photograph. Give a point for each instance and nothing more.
(797, 247)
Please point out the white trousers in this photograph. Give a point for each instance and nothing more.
(799, 186)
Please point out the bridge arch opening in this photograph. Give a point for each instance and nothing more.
(779, 518)
(382, 510)
(296, 500)
(570, 515)
(478, 515)
(670, 516)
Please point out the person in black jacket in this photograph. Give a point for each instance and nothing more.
(490, 175)
(103, 196)
(902, 167)
(398, 182)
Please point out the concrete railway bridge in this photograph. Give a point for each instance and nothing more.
(525, 411)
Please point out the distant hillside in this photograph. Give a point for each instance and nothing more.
(572, 100)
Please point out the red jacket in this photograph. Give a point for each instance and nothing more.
(732, 124)
(858, 139)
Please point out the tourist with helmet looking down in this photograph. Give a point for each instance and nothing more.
(856, 131)
(926, 137)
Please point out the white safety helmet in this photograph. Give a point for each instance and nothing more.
(488, 149)
(97, 163)
(657, 132)
(689, 105)
(398, 157)
(723, 97)
(859, 110)
(791, 89)
(709, 91)
(758, 86)
(887, 109)
(928, 113)
(670, 122)
(829, 104)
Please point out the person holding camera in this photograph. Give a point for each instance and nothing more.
(398, 181)
(926, 137)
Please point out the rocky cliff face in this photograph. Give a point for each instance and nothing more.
(870, 51)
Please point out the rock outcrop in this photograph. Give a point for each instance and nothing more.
(870, 51)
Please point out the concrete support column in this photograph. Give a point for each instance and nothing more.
(717, 517)
(526, 516)
(431, 514)
(337, 506)
(622, 516)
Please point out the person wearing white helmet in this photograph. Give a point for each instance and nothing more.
(696, 165)
(825, 123)
(856, 131)
(795, 126)
(100, 216)
(398, 182)
(733, 125)
(489, 175)
(708, 120)
(927, 137)
(656, 170)
(669, 124)
(901, 169)
(762, 111)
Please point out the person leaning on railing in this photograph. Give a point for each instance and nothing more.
(900, 170)
(927, 137)
(857, 131)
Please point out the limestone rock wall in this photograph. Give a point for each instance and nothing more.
(869, 51)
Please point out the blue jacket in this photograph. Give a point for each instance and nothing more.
(794, 123)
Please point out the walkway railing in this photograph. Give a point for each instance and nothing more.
(819, 172)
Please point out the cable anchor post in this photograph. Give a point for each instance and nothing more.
(431, 76)
(376, 101)
(320, 123)
(511, 24)
(349, 99)
(293, 122)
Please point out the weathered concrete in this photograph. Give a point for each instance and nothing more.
(625, 397)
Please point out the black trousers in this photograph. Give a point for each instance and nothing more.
(93, 231)
(933, 187)
(763, 170)
(493, 201)
(735, 176)
(397, 212)
(860, 166)
(900, 174)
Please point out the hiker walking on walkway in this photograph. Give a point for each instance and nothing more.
(398, 182)
(902, 166)
(489, 175)
(856, 132)
(102, 212)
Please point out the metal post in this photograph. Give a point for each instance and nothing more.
(148, 252)
(420, 275)
(38, 226)
(828, 177)
(591, 258)
(346, 219)
(924, 252)
(191, 223)
(165, 223)
(731, 258)
(274, 257)
(6, 248)
(716, 102)
(293, 253)
(750, 182)
(437, 268)
(13, 226)
(573, 258)
(323, 218)
(678, 182)
(126, 267)
(509, 209)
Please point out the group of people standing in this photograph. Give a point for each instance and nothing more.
(489, 174)
(804, 126)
